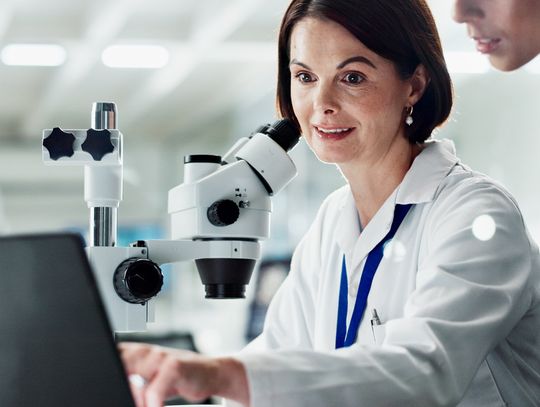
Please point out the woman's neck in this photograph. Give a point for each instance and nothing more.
(372, 182)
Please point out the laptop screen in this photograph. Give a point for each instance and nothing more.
(56, 345)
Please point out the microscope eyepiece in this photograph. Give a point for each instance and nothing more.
(261, 129)
(284, 132)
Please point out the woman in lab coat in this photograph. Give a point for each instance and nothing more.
(417, 284)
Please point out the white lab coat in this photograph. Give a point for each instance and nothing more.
(460, 314)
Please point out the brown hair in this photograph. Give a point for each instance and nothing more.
(401, 31)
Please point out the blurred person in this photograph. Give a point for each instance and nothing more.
(417, 284)
(507, 31)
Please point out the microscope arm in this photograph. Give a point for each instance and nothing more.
(224, 265)
(172, 251)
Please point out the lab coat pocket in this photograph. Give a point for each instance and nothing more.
(379, 332)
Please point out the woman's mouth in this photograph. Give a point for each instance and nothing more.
(486, 45)
(333, 132)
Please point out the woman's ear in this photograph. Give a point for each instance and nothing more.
(419, 82)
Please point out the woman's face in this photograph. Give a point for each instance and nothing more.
(508, 31)
(349, 101)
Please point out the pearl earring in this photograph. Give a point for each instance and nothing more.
(409, 119)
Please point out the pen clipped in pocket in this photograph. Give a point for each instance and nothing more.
(379, 332)
(377, 328)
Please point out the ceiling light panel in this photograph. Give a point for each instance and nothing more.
(135, 56)
(33, 55)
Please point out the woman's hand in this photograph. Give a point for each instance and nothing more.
(157, 373)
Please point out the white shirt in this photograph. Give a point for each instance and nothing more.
(460, 314)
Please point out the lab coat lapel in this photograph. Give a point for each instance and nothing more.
(373, 233)
(419, 185)
(427, 172)
(348, 228)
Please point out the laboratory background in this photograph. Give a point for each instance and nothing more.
(191, 77)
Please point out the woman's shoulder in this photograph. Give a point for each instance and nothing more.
(456, 178)
(463, 180)
(470, 194)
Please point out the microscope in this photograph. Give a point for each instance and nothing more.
(218, 215)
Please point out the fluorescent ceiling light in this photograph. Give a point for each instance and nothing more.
(466, 62)
(135, 56)
(33, 55)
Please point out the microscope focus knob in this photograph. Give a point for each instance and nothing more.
(223, 212)
(137, 280)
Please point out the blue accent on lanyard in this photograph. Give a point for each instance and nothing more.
(346, 337)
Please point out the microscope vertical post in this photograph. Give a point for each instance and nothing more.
(103, 218)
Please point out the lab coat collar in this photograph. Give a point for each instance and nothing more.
(428, 170)
(419, 185)
(349, 227)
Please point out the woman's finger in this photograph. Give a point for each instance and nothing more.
(137, 385)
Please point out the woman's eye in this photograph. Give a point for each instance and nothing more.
(304, 77)
(353, 78)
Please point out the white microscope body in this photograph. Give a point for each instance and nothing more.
(218, 215)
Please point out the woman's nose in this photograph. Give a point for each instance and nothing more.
(467, 10)
(325, 100)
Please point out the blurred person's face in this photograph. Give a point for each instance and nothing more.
(508, 31)
(350, 102)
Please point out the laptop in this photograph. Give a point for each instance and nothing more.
(56, 344)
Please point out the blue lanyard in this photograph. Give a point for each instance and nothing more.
(346, 337)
